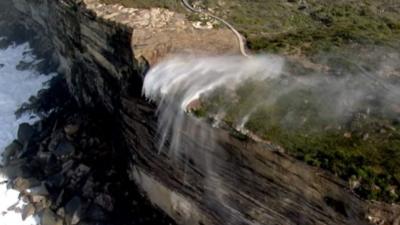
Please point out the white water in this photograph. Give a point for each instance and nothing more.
(188, 77)
(178, 82)
(175, 84)
(15, 88)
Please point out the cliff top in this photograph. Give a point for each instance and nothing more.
(297, 27)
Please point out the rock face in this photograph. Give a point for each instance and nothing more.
(104, 51)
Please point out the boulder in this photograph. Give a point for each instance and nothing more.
(21, 184)
(25, 132)
(16, 168)
(11, 150)
(64, 150)
(71, 129)
(105, 201)
(27, 211)
(50, 218)
(73, 211)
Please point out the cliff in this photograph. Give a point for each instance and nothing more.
(104, 52)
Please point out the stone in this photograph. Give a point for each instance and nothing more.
(26, 150)
(64, 150)
(16, 168)
(96, 213)
(25, 132)
(56, 138)
(347, 135)
(88, 188)
(105, 201)
(73, 210)
(21, 184)
(56, 181)
(82, 170)
(43, 156)
(71, 129)
(27, 211)
(52, 165)
(50, 218)
(60, 198)
(39, 190)
(38, 198)
(67, 166)
(24, 65)
(11, 150)
(61, 212)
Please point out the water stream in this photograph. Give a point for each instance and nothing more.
(197, 94)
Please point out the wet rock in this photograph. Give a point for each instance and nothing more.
(56, 138)
(82, 170)
(52, 165)
(64, 150)
(73, 211)
(27, 211)
(24, 65)
(21, 184)
(38, 199)
(26, 150)
(66, 168)
(43, 157)
(11, 150)
(61, 212)
(25, 132)
(39, 190)
(38, 195)
(41, 203)
(13, 207)
(16, 168)
(56, 181)
(60, 198)
(105, 201)
(88, 188)
(50, 218)
(71, 129)
(96, 213)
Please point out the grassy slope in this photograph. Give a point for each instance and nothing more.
(364, 147)
(290, 27)
(174, 5)
(287, 26)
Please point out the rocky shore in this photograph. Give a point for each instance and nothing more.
(73, 165)
(71, 169)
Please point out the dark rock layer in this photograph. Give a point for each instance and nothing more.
(72, 168)
(258, 184)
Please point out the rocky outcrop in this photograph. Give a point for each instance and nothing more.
(104, 50)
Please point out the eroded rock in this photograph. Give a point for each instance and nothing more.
(64, 150)
(50, 218)
(25, 132)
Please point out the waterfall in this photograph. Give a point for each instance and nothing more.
(197, 95)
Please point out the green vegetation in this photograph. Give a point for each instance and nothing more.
(362, 146)
(293, 28)
(174, 5)
(287, 26)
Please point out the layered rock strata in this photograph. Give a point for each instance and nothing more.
(104, 51)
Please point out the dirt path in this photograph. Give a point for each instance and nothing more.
(241, 39)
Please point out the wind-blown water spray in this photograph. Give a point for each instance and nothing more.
(176, 84)
(263, 97)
